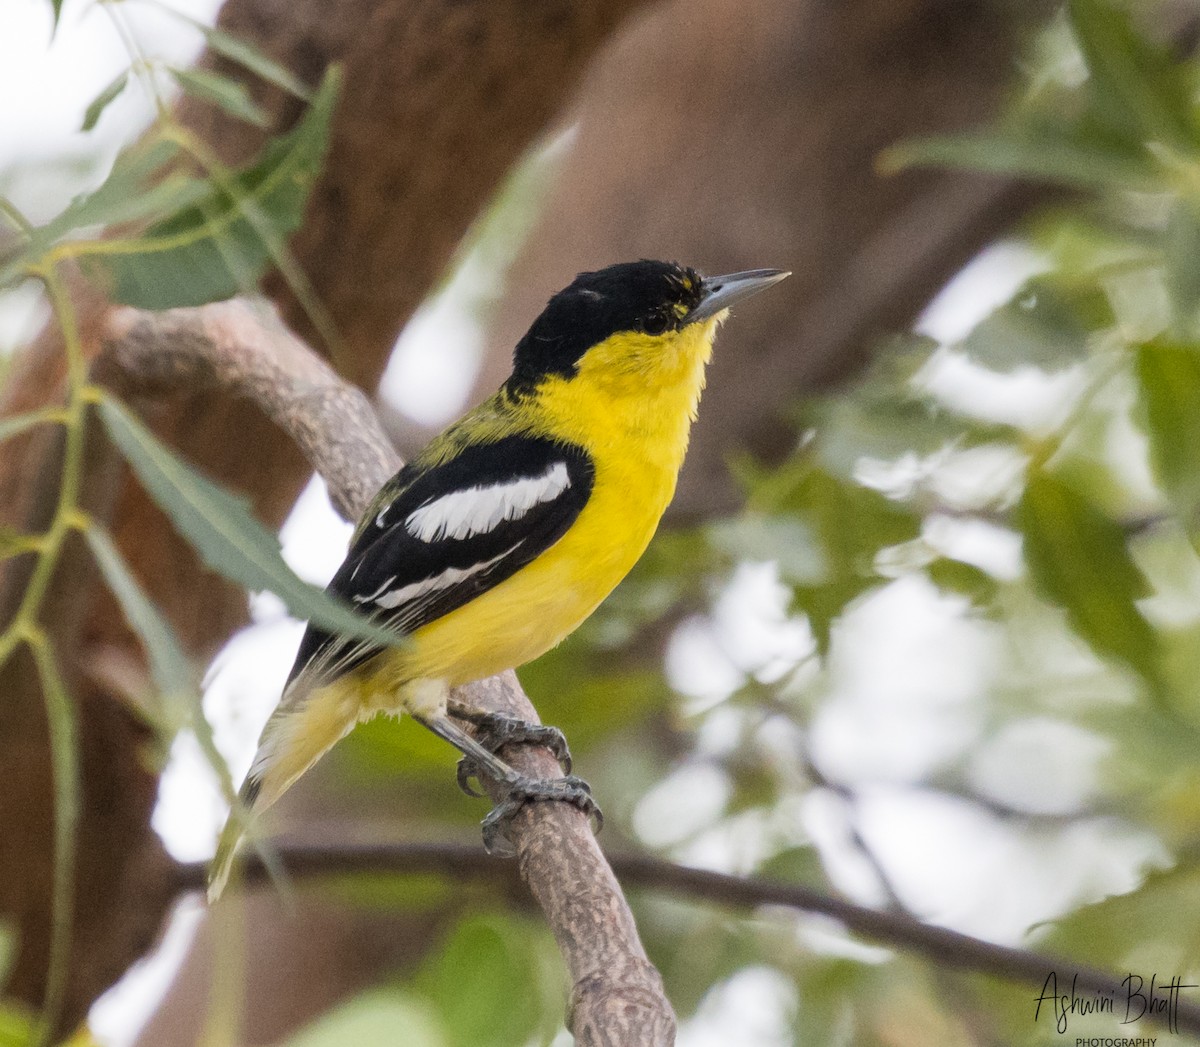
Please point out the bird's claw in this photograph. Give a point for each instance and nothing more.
(494, 731)
(569, 789)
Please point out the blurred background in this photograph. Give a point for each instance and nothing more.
(921, 630)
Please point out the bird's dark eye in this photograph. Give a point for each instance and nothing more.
(656, 323)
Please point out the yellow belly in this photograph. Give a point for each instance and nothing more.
(530, 612)
(635, 428)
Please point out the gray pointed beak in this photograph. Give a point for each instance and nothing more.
(720, 292)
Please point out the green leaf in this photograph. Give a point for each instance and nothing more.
(227, 94)
(963, 579)
(501, 960)
(800, 864)
(119, 197)
(378, 1018)
(1153, 928)
(168, 195)
(1078, 559)
(221, 244)
(16, 1027)
(250, 58)
(102, 101)
(56, 9)
(221, 529)
(1138, 90)
(63, 725)
(1044, 155)
(1169, 390)
(169, 666)
(854, 524)
(1041, 327)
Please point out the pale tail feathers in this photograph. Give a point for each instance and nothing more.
(300, 731)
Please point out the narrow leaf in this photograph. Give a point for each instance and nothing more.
(56, 9)
(1042, 156)
(1040, 327)
(169, 666)
(1078, 559)
(124, 184)
(229, 95)
(165, 196)
(64, 768)
(1139, 91)
(1169, 390)
(222, 530)
(131, 172)
(251, 58)
(102, 101)
(219, 246)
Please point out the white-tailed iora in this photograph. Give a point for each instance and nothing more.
(508, 530)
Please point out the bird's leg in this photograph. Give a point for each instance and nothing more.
(521, 788)
(495, 730)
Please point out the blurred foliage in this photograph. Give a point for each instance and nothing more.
(1030, 491)
(492, 981)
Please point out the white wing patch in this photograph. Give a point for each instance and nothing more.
(450, 576)
(477, 510)
(376, 594)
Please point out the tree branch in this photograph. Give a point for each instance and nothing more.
(947, 948)
(244, 350)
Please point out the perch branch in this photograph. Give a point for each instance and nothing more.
(946, 948)
(242, 348)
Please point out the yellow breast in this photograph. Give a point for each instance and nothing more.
(634, 426)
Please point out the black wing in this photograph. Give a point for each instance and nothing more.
(451, 532)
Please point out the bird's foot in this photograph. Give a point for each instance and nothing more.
(494, 731)
(570, 789)
(480, 762)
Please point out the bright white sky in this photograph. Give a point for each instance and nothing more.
(907, 696)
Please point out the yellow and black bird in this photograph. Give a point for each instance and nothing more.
(510, 528)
